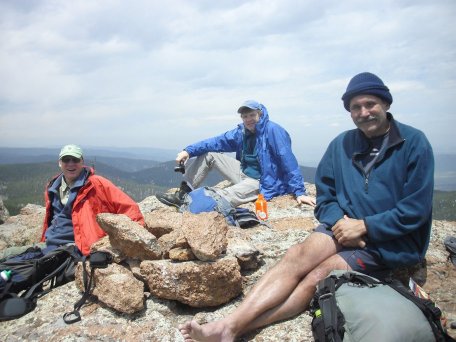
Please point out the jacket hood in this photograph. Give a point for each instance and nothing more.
(261, 124)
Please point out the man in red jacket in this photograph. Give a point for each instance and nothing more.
(73, 200)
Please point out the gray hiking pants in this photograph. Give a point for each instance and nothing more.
(243, 189)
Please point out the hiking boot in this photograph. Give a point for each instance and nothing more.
(176, 199)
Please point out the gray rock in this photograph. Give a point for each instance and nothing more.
(205, 234)
(163, 221)
(181, 254)
(104, 245)
(196, 283)
(175, 239)
(4, 213)
(116, 287)
(23, 229)
(129, 237)
(247, 255)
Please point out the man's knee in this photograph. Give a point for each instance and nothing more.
(210, 158)
(316, 275)
(335, 262)
(294, 253)
(316, 244)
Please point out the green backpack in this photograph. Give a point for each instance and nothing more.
(351, 306)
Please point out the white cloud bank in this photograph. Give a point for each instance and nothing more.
(166, 74)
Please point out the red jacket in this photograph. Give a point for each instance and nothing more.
(97, 195)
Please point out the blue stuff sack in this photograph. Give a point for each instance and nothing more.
(206, 199)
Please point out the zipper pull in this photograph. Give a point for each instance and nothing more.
(366, 184)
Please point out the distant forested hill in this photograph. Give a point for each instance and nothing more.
(25, 183)
(444, 205)
(109, 155)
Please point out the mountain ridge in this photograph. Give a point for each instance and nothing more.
(19, 155)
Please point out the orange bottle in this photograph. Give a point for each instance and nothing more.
(261, 208)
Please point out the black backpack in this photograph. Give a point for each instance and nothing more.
(361, 307)
(245, 218)
(31, 270)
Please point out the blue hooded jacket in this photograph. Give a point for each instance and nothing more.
(394, 199)
(280, 172)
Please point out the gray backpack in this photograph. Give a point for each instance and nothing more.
(350, 306)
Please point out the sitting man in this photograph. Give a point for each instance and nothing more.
(374, 203)
(264, 162)
(73, 200)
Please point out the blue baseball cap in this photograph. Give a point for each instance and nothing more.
(249, 105)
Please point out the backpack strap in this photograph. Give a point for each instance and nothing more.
(87, 281)
(333, 325)
(6, 288)
(30, 293)
(98, 259)
(357, 278)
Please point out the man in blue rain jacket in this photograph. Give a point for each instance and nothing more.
(264, 161)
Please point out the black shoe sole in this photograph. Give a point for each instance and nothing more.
(164, 201)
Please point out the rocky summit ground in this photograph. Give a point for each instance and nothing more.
(289, 224)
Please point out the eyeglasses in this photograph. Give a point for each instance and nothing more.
(67, 159)
(249, 115)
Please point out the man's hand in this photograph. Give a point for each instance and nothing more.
(359, 242)
(350, 232)
(182, 157)
(306, 200)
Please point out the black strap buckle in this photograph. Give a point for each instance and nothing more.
(67, 317)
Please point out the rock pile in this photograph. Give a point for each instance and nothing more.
(23, 229)
(183, 261)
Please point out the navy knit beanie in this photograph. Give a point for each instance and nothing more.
(366, 83)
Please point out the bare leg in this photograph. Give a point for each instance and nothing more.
(300, 298)
(272, 291)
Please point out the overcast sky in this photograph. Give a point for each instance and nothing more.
(165, 74)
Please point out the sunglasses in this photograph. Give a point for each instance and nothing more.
(67, 159)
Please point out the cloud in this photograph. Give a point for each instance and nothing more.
(154, 74)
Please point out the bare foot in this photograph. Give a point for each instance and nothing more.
(217, 331)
